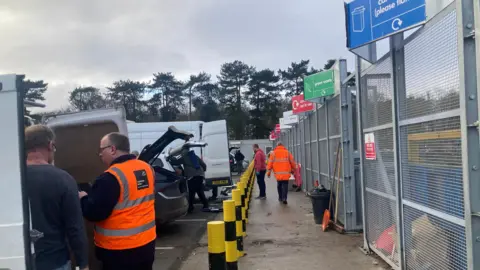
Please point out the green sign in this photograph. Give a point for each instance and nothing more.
(318, 85)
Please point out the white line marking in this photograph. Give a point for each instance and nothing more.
(191, 220)
(164, 248)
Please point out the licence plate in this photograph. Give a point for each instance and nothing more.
(220, 182)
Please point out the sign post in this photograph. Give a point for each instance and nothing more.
(371, 20)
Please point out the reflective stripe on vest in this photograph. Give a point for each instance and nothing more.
(125, 232)
(132, 221)
(126, 203)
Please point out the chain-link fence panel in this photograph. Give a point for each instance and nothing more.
(302, 153)
(430, 149)
(308, 158)
(379, 168)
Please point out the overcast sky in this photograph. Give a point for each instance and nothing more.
(72, 43)
(69, 43)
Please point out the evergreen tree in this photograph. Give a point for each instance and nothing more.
(128, 94)
(292, 77)
(232, 80)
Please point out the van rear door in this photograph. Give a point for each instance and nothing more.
(215, 154)
(78, 139)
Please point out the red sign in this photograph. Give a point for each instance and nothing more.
(273, 136)
(277, 128)
(300, 105)
(370, 150)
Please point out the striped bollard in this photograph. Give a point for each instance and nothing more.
(236, 196)
(242, 200)
(216, 245)
(245, 199)
(231, 252)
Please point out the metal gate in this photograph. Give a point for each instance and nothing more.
(413, 180)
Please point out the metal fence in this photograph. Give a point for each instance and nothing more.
(315, 141)
(414, 189)
(418, 195)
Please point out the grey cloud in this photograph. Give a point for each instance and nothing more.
(96, 42)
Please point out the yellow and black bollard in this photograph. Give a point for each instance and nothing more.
(242, 200)
(236, 196)
(216, 245)
(231, 252)
(245, 200)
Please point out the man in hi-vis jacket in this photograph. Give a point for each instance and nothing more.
(283, 165)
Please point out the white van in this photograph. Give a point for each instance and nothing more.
(215, 154)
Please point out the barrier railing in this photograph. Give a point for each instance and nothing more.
(225, 238)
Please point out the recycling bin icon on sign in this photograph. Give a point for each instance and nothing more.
(358, 19)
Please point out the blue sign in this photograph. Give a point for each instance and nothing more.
(371, 20)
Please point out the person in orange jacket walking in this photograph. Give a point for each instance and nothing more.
(283, 165)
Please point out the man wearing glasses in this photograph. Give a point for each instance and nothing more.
(121, 204)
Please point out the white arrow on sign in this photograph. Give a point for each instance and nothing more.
(396, 24)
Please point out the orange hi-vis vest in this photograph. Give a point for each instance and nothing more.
(282, 163)
(132, 222)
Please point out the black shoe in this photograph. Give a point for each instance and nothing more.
(190, 210)
(285, 202)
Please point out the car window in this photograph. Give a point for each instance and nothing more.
(158, 163)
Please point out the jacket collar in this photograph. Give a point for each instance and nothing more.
(122, 159)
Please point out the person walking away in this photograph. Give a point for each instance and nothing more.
(194, 170)
(54, 205)
(260, 169)
(283, 165)
(239, 157)
(121, 205)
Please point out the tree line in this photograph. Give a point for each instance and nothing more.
(250, 99)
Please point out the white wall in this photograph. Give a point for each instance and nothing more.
(246, 146)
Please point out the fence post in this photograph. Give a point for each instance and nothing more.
(468, 25)
(359, 100)
(327, 129)
(216, 245)
(398, 74)
(349, 195)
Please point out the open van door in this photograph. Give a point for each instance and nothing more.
(215, 154)
(77, 137)
(15, 248)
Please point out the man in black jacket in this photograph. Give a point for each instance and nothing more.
(55, 208)
(100, 202)
(194, 170)
(239, 157)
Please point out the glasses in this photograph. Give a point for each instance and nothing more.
(103, 148)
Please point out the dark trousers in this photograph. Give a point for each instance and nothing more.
(239, 166)
(282, 187)
(128, 266)
(214, 192)
(195, 186)
(261, 183)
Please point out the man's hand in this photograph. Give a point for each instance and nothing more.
(82, 194)
(268, 173)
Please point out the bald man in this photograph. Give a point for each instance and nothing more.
(121, 204)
